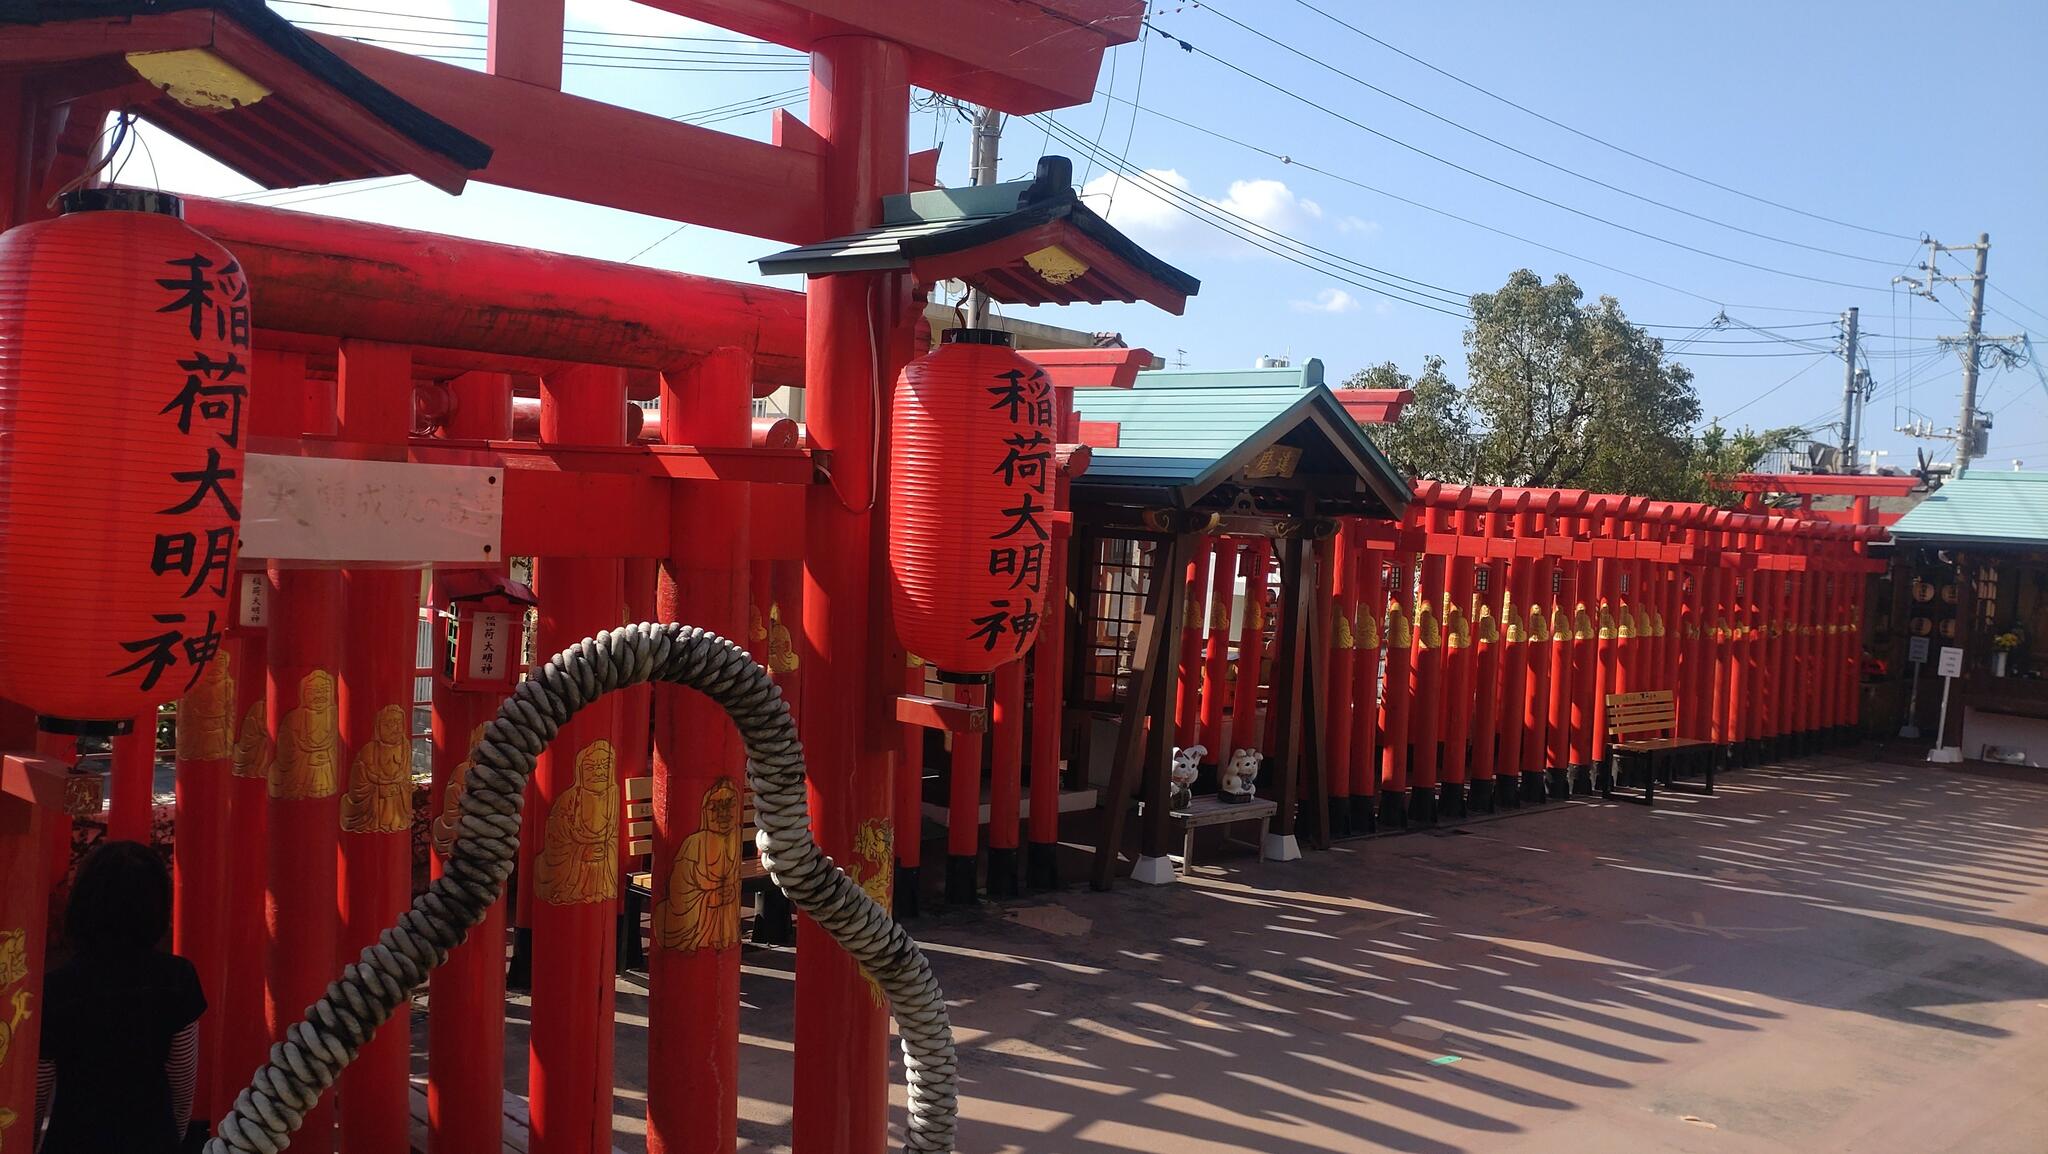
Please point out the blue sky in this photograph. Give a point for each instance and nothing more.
(1903, 118)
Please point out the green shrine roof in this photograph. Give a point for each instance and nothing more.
(1181, 435)
(1980, 508)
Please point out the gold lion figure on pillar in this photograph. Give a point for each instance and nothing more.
(449, 823)
(700, 909)
(873, 866)
(206, 715)
(379, 798)
(307, 761)
(252, 747)
(782, 656)
(579, 857)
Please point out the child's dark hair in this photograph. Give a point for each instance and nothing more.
(121, 901)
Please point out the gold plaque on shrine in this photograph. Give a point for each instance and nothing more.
(1277, 461)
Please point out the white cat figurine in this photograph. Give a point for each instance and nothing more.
(1240, 776)
(1186, 766)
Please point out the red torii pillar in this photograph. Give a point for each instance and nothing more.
(304, 828)
(1537, 568)
(1049, 682)
(1339, 694)
(205, 768)
(1610, 611)
(1752, 605)
(466, 1030)
(860, 109)
(1216, 657)
(574, 877)
(1006, 776)
(1364, 767)
(1565, 589)
(277, 380)
(1245, 732)
(1187, 711)
(1399, 689)
(1459, 660)
(1584, 708)
(1426, 663)
(1516, 532)
(131, 794)
(1488, 649)
(374, 397)
(693, 964)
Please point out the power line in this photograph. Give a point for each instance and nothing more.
(1477, 175)
(1269, 240)
(1296, 162)
(1809, 367)
(2021, 303)
(1601, 141)
(1527, 155)
(485, 23)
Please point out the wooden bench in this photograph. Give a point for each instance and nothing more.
(1644, 726)
(1208, 810)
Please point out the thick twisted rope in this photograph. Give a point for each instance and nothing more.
(315, 1049)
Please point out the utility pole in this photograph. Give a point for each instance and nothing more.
(1967, 437)
(1847, 462)
(1972, 431)
(982, 160)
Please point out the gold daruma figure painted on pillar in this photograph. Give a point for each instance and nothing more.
(252, 746)
(307, 761)
(700, 908)
(379, 798)
(579, 857)
(206, 714)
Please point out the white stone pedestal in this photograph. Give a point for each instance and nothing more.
(1154, 871)
(1282, 847)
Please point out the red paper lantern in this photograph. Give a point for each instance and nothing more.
(970, 502)
(124, 372)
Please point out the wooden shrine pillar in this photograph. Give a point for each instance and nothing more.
(574, 875)
(1138, 771)
(376, 703)
(693, 963)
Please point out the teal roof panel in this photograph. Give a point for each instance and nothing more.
(1981, 508)
(1178, 430)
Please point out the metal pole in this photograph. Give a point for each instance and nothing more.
(1848, 462)
(1966, 431)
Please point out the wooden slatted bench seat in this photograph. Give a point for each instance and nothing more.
(1643, 727)
(1207, 810)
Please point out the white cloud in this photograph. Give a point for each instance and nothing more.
(1153, 209)
(1270, 203)
(1330, 300)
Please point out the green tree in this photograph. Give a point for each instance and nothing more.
(1434, 435)
(1571, 395)
(1567, 395)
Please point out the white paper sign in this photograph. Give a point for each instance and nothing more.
(487, 656)
(1916, 650)
(323, 509)
(1951, 663)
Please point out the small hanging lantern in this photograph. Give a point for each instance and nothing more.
(124, 372)
(484, 618)
(971, 502)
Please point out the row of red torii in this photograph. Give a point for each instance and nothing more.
(1461, 657)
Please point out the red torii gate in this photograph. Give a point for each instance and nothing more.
(827, 178)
